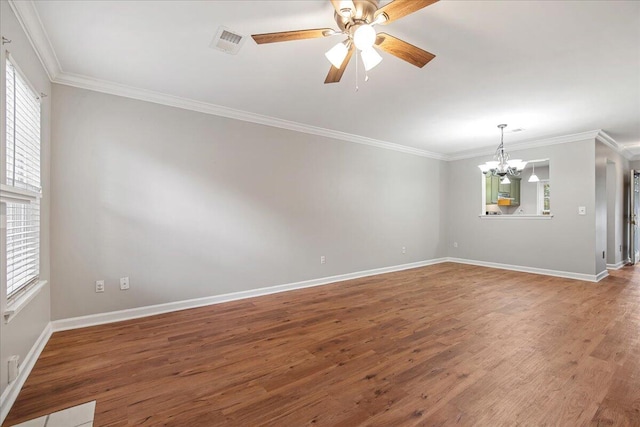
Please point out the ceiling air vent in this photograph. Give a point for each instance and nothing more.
(227, 41)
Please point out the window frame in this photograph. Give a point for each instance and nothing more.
(540, 208)
(10, 194)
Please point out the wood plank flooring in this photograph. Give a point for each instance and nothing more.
(448, 344)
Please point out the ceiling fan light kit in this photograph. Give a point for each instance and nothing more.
(336, 54)
(364, 36)
(356, 20)
(370, 58)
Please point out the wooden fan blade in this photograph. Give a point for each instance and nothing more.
(286, 36)
(400, 8)
(403, 50)
(335, 74)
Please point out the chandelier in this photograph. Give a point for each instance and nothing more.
(501, 165)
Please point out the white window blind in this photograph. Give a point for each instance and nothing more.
(23, 172)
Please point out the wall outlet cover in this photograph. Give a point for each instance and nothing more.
(124, 283)
(14, 368)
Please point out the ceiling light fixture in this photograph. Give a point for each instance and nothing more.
(355, 20)
(364, 36)
(370, 58)
(338, 53)
(534, 177)
(501, 165)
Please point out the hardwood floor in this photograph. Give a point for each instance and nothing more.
(448, 344)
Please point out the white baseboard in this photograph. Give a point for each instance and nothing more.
(150, 310)
(604, 273)
(618, 265)
(524, 269)
(10, 394)
(134, 313)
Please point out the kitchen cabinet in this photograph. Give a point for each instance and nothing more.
(496, 191)
(492, 188)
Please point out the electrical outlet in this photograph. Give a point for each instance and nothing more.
(323, 260)
(582, 210)
(99, 285)
(14, 368)
(404, 250)
(124, 283)
(455, 244)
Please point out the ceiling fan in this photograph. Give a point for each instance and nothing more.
(356, 20)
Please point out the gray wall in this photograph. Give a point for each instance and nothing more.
(564, 243)
(611, 191)
(191, 205)
(612, 205)
(18, 336)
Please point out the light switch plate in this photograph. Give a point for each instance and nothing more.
(124, 283)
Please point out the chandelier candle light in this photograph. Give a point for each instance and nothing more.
(501, 165)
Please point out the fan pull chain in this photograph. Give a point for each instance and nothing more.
(356, 69)
(366, 72)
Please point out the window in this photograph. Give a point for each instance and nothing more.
(22, 189)
(544, 197)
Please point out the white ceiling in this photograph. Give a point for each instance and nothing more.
(551, 67)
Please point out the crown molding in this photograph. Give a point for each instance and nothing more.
(29, 20)
(607, 140)
(486, 151)
(603, 137)
(111, 88)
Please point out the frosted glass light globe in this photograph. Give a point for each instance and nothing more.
(370, 58)
(364, 36)
(337, 54)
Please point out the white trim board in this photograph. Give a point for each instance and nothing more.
(134, 313)
(534, 270)
(116, 89)
(10, 393)
(111, 88)
(489, 151)
(138, 312)
(617, 266)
